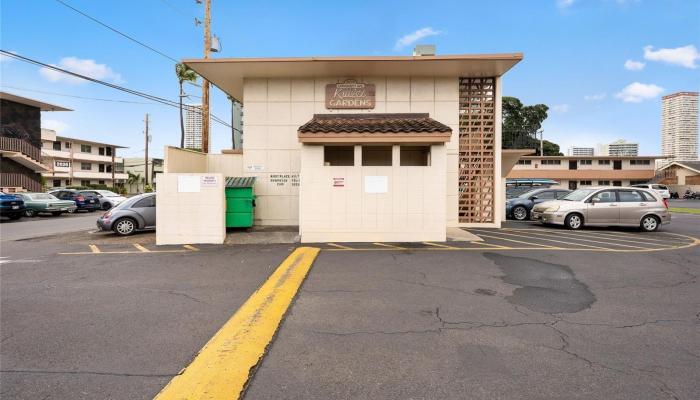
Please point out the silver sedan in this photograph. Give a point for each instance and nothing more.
(137, 213)
(606, 206)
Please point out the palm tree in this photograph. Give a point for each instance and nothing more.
(184, 74)
(133, 179)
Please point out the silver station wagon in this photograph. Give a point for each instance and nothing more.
(606, 206)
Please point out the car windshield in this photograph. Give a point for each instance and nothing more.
(107, 193)
(528, 194)
(43, 196)
(578, 195)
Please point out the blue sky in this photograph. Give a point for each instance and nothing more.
(586, 59)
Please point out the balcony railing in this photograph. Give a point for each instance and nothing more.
(13, 179)
(20, 146)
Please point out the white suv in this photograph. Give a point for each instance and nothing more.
(660, 189)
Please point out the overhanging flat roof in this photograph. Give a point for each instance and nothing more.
(31, 102)
(228, 73)
(86, 141)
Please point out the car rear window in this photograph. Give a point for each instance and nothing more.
(630, 196)
(647, 196)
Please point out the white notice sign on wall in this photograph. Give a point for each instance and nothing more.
(188, 184)
(210, 180)
(376, 184)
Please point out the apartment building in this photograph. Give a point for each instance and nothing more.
(580, 151)
(574, 172)
(620, 148)
(193, 126)
(78, 162)
(136, 166)
(679, 127)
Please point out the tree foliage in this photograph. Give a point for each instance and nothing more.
(521, 124)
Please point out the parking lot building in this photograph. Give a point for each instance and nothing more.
(78, 162)
(575, 172)
(366, 148)
(21, 162)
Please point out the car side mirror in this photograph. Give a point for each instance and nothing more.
(595, 200)
(99, 196)
(533, 198)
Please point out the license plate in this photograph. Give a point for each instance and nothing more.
(15, 207)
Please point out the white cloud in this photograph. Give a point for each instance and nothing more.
(632, 65)
(595, 97)
(560, 108)
(5, 58)
(85, 67)
(413, 37)
(565, 3)
(637, 92)
(54, 125)
(683, 56)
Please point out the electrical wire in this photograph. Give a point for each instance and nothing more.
(110, 85)
(73, 96)
(116, 30)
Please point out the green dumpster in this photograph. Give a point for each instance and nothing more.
(240, 201)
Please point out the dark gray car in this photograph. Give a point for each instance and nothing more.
(519, 207)
(137, 213)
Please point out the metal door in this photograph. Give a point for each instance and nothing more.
(605, 210)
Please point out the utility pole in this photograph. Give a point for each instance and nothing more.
(205, 83)
(145, 165)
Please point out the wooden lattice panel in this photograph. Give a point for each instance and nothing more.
(477, 140)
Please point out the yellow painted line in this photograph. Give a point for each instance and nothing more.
(578, 237)
(514, 240)
(223, 366)
(584, 234)
(554, 240)
(141, 248)
(94, 248)
(492, 245)
(190, 247)
(389, 245)
(640, 237)
(340, 246)
(440, 245)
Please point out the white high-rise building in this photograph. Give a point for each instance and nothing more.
(620, 148)
(679, 127)
(580, 151)
(193, 126)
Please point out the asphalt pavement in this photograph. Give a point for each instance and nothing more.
(684, 203)
(25, 228)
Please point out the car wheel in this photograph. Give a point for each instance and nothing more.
(56, 213)
(72, 210)
(520, 213)
(29, 213)
(574, 221)
(650, 223)
(106, 206)
(124, 227)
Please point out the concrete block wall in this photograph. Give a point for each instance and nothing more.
(193, 217)
(275, 108)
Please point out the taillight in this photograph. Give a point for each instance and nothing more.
(666, 203)
(107, 214)
(80, 198)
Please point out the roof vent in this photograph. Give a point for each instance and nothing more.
(424, 50)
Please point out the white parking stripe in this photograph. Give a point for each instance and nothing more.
(587, 234)
(556, 234)
(512, 240)
(551, 240)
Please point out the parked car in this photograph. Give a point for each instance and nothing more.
(107, 198)
(37, 203)
(661, 189)
(137, 213)
(519, 207)
(606, 206)
(11, 206)
(518, 186)
(82, 202)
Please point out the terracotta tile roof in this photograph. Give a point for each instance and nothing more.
(373, 123)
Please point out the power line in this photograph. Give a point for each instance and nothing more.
(177, 10)
(111, 85)
(73, 96)
(116, 30)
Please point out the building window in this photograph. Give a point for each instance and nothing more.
(57, 146)
(604, 183)
(339, 156)
(603, 162)
(101, 182)
(640, 162)
(638, 182)
(84, 182)
(376, 156)
(56, 182)
(68, 145)
(415, 156)
(67, 182)
(109, 151)
(85, 148)
(101, 151)
(109, 168)
(101, 167)
(617, 183)
(586, 162)
(585, 183)
(524, 162)
(86, 166)
(551, 162)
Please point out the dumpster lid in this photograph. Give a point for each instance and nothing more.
(240, 181)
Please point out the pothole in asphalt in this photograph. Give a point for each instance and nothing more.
(485, 292)
(544, 287)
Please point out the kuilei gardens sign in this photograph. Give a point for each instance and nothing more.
(350, 95)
